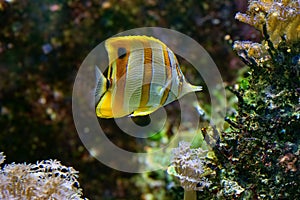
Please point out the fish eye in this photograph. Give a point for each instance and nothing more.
(121, 52)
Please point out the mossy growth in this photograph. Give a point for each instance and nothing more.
(258, 157)
(261, 152)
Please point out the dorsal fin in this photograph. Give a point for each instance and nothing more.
(187, 88)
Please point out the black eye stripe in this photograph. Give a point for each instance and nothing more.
(107, 84)
(121, 52)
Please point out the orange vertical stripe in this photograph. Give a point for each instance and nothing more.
(121, 68)
(168, 75)
(147, 76)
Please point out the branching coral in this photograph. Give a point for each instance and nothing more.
(190, 167)
(281, 17)
(44, 180)
(272, 92)
(258, 157)
(263, 146)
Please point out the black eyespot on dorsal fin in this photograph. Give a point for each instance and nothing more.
(122, 52)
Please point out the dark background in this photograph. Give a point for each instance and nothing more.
(42, 45)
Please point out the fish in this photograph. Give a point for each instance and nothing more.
(143, 75)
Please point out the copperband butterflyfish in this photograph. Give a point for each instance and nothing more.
(143, 75)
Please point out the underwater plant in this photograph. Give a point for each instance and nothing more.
(261, 152)
(258, 156)
(47, 179)
(191, 163)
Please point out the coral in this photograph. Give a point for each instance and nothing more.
(271, 93)
(231, 188)
(281, 17)
(261, 152)
(46, 179)
(256, 51)
(189, 167)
